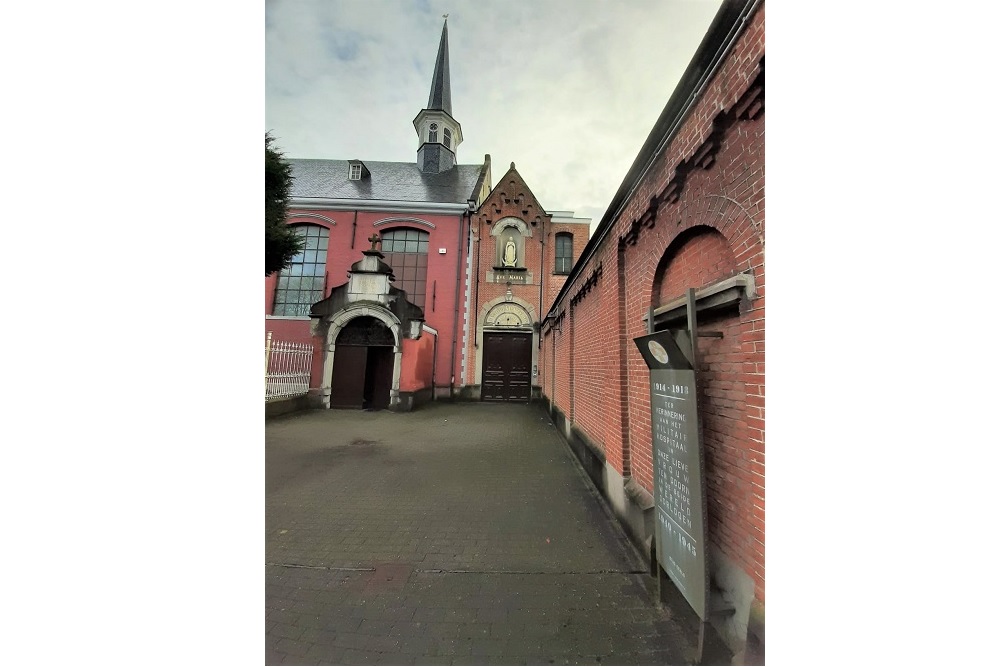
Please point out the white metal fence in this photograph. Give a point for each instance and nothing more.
(288, 367)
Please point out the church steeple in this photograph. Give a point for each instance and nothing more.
(440, 97)
(438, 133)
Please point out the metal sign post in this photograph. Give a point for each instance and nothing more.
(681, 506)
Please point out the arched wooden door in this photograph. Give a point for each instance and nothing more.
(362, 365)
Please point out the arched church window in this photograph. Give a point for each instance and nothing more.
(405, 251)
(432, 136)
(447, 138)
(302, 282)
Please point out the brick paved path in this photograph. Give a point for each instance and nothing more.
(456, 534)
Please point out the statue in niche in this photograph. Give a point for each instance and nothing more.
(510, 253)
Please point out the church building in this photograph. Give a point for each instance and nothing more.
(415, 273)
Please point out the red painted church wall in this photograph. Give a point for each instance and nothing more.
(445, 296)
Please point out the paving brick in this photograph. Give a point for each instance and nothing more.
(284, 630)
(382, 644)
(272, 657)
(395, 658)
(479, 540)
(292, 647)
(324, 654)
(352, 641)
(375, 627)
(318, 636)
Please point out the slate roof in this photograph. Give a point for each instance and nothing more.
(389, 181)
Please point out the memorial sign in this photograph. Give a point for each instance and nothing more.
(678, 482)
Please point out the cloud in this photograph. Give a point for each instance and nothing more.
(566, 90)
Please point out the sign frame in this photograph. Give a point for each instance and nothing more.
(679, 488)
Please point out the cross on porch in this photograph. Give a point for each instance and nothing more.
(374, 240)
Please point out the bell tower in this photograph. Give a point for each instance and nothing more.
(437, 132)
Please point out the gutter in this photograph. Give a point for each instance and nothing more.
(378, 205)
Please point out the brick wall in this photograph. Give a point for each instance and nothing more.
(694, 218)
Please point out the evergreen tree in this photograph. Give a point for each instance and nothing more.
(281, 243)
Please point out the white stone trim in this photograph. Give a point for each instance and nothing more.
(387, 206)
(416, 221)
(504, 223)
(337, 322)
(293, 217)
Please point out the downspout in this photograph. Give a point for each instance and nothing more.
(467, 301)
(434, 364)
(541, 283)
(354, 229)
(552, 398)
(479, 233)
(541, 302)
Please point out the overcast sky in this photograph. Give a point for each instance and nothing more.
(566, 89)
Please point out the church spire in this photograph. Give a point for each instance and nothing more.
(440, 97)
(438, 132)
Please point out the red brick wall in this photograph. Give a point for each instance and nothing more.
(562, 360)
(697, 216)
(593, 362)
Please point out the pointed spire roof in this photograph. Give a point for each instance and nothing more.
(440, 97)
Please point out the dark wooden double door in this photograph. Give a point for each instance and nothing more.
(506, 366)
(362, 366)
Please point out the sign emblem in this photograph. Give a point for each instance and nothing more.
(658, 352)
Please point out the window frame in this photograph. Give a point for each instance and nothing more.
(290, 279)
(567, 259)
(412, 260)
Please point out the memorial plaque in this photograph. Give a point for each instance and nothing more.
(678, 483)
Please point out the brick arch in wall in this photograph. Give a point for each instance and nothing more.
(698, 256)
(731, 223)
